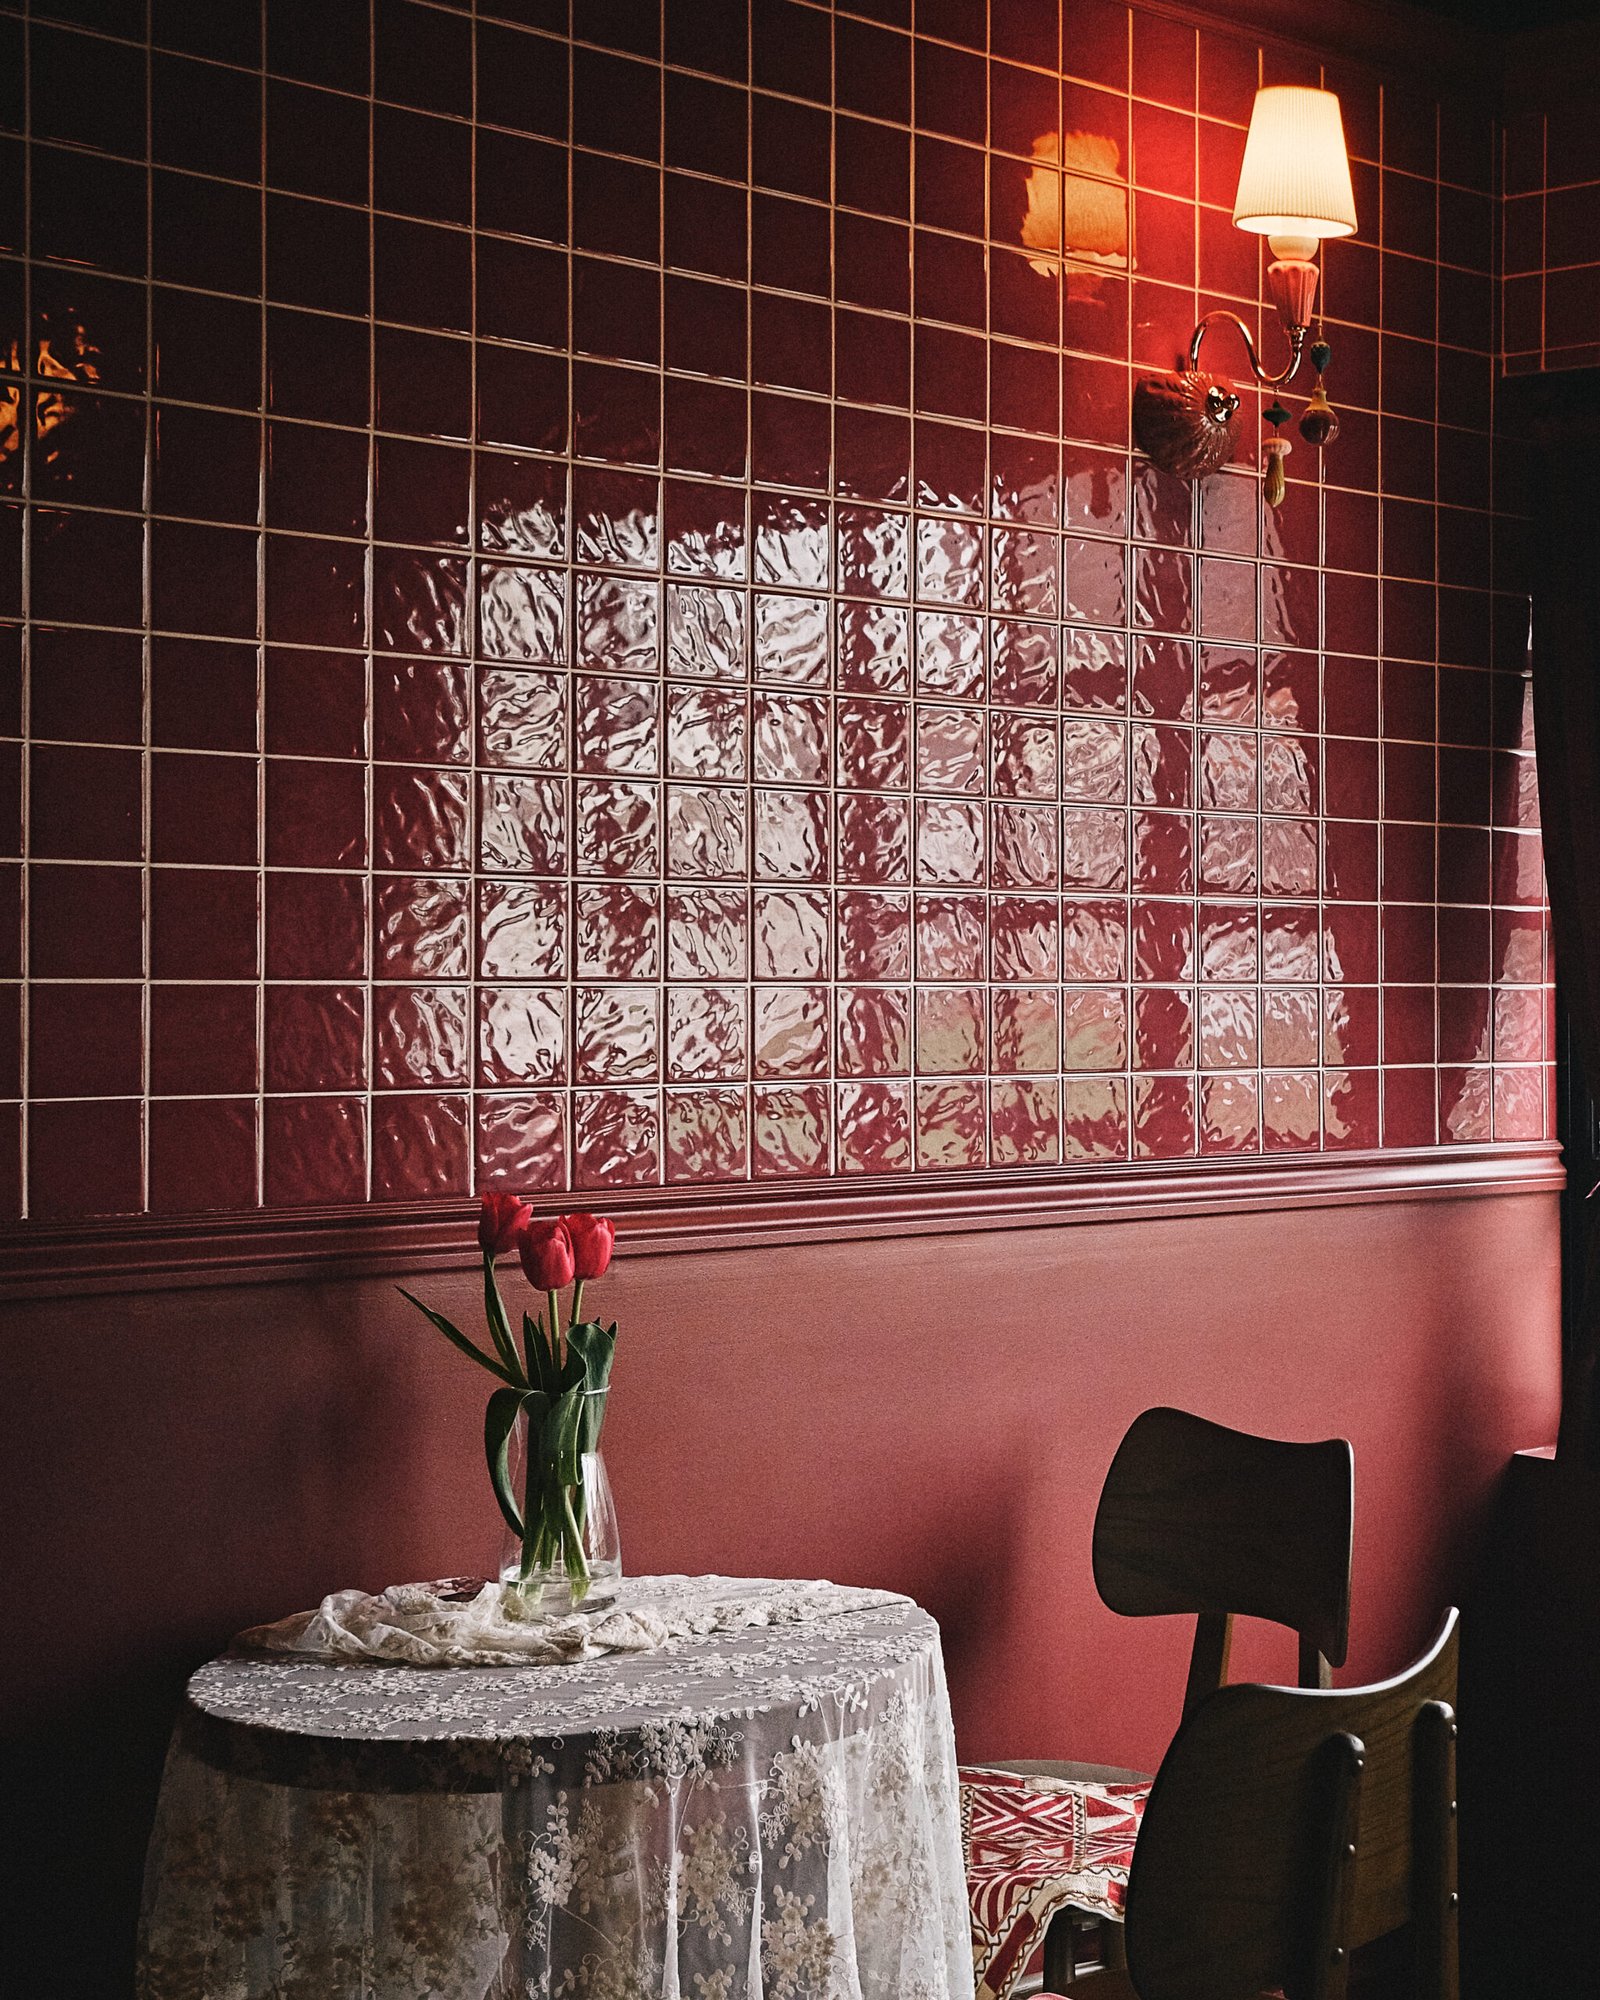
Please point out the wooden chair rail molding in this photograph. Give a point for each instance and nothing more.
(155, 1253)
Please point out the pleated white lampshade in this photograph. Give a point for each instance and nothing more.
(1295, 181)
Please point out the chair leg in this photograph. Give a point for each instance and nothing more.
(1333, 1890)
(1068, 1971)
(1060, 1961)
(1436, 1916)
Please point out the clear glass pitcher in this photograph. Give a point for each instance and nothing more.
(548, 1589)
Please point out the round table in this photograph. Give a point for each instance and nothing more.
(767, 1813)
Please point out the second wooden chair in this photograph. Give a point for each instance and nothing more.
(1194, 1519)
(1287, 1827)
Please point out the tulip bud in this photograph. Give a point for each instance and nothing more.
(592, 1239)
(501, 1222)
(546, 1251)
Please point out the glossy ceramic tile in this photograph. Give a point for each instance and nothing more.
(576, 611)
(1550, 260)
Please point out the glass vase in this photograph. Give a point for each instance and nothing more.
(548, 1586)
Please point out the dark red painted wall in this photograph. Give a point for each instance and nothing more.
(933, 1413)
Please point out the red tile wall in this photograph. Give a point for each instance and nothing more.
(580, 614)
(1551, 234)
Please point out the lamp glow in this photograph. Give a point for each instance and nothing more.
(1295, 181)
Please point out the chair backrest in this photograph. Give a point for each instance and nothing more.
(1195, 1517)
(1287, 1826)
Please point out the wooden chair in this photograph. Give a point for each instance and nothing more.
(1287, 1827)
(1198, 1519)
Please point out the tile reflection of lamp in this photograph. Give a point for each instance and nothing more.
(1294, 189)
(1077, 204)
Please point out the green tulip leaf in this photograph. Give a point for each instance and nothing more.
(459, 1339)
(550, 1440)
(499, 1425)
(596, 1345)
(541, 1362)
(499, 1332)
(561, 1440)
(499, 1422)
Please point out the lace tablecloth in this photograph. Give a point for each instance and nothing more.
(768, 1812)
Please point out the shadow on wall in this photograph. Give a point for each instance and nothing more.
(238, 1455)
(80, 1784)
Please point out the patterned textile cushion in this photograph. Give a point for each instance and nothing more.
(1034, 1846)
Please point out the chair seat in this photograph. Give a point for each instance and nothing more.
(1039, 1838)
(1079, 1774)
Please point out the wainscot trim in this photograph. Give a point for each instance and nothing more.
(157, 1253)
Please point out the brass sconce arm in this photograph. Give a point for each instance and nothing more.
(1183, 422)
(1297, 342)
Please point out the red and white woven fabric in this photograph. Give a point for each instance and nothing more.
(1034, 1846)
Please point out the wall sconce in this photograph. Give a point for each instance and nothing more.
(1294, 189)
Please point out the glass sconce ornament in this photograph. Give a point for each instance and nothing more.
(1276, 449)
(1320, 423)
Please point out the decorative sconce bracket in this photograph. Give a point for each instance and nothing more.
(1184, 422)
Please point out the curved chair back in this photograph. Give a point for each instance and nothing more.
(1195, 1517)
(1287, 1826)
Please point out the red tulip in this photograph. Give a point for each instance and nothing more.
(546, 1251)
(592, 1240)
(501, 1222)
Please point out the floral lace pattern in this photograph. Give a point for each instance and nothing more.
(760, 1812)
